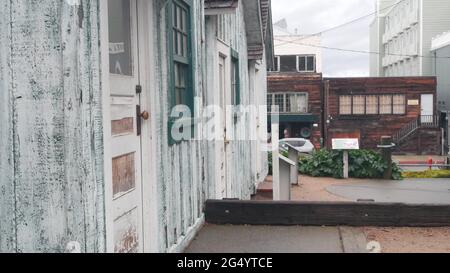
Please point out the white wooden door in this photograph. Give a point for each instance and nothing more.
(125, 147)
(426, 104)
(223, 139)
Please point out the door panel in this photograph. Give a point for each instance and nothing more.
(426, 104)
(125, 142)
(222, 144)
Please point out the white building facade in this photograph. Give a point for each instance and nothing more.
(402, 33)
(305, 48)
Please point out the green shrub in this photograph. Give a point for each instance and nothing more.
(323, 163)
(362, 164)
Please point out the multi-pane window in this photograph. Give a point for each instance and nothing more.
(359, 105)
(372, 104)
(306, 63)
(279, 101)
(345, 105)
(269, 103)
(288, 102)
(386, 104)
(399, 105)
(183, 94)
(297, 103)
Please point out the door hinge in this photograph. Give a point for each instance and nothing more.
(138, 120)
(138, 89)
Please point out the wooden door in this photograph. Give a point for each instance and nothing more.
(125, 147)
(426, 104)
(223, 138)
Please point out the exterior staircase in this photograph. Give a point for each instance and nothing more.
(411, 128)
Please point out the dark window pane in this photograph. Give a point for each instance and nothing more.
(276, 68)
(269, 103)
(310, 63)
(302, 64)
(120, 51)
(288, 63)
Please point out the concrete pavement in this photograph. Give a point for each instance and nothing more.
(276, 239)
(409, 191)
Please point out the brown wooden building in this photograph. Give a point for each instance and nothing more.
(369, 108)
(299, 99)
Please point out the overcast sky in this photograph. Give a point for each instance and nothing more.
(312, 16)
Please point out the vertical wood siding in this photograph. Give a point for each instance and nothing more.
(51, 160)
(52, 92)
(187, 171)
(7, 201)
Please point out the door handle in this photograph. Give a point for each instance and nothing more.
(145, 115)
(139, 117)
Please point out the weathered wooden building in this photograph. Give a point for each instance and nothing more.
(369, 108)
(87, 97)
(299, 100)
(321, 109)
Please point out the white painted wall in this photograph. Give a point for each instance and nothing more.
(300, 45)
(53, 158)
(408, 29)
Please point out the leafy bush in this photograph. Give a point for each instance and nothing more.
(323, 163)
(362, 164)
(428, 174)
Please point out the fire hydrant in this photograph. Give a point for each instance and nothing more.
(430, 163)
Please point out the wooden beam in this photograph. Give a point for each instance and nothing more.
(326, 214)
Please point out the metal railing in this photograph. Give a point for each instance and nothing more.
(424, 121)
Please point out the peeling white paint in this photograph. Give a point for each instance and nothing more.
(52, 180)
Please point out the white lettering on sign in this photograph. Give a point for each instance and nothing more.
(116, 48)
(345, 143)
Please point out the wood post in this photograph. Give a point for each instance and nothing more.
(285, 166)
(275, 160)
(293, 155)
(386, 141)
(346, 167)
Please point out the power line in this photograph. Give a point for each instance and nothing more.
(370, 52)
(341, 25)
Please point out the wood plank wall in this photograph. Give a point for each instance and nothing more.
(51, 176)
(372, 128)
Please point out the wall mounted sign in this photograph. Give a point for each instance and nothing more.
(413, 102)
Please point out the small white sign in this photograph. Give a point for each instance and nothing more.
(116, 48)
(345, 143)
(413, 102)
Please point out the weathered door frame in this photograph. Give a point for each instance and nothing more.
(148, 159)
(147, 41)
(223, 184)
(429, 103)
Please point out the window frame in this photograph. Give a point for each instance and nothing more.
(306, 56)
(285, 94)
(189, 93)
(236, 85)
(306, 94)
(379, 113)
(277, 62)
